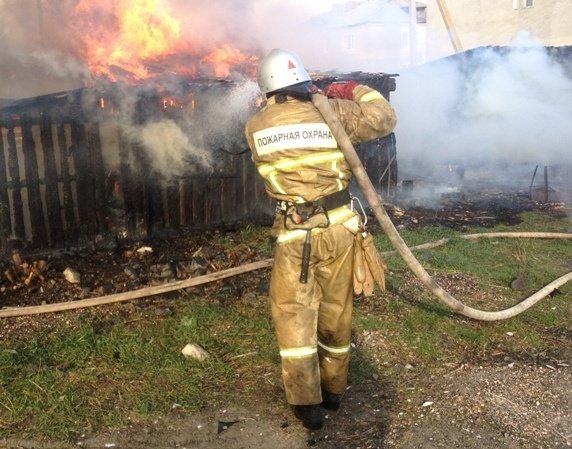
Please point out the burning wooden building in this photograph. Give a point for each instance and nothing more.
(133, 162)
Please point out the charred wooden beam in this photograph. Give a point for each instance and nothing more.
(53, 207)
(37, 219)
(5, 223)
(94, 150)
(14, 172)
(85, 185)
(71, 228)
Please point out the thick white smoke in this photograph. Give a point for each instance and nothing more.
(493, 110)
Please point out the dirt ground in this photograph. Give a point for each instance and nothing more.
(525, 404)
(515, 407)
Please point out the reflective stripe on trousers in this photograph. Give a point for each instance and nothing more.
(313, 320)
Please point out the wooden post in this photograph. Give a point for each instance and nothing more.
(95, 152)
(229, 198)
(244, 183)
(199, 200)
(152, 208)
(173, 204)
(37, 219)
(126, 184)
(532, 182)
(232, 195)
(183, 199)
(14, 172)
(546, 184)
(5, 223)
(69, 214)
(85, 187)
(53, 207)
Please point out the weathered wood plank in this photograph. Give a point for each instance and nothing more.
(15, 183)
(85, 186)
(5, 222)
(39, 237)
(71, 225)
(53, 207)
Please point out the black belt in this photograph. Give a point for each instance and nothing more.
(328, 202)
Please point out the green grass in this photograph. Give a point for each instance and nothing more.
(107, 370)
(498, 260)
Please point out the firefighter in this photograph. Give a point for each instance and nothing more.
(314, 226)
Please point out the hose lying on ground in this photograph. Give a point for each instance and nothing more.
(212, 277)
(141, 293)
(321, 102)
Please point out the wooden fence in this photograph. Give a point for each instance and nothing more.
(57, 191)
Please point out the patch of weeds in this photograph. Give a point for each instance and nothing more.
(361, 368)
(248, 238)
(469, 336)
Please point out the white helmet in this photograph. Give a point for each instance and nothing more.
(279, 69)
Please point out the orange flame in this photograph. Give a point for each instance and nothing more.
(136, 39)
(226, 57)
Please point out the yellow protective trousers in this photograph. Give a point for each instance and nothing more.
(313, 320)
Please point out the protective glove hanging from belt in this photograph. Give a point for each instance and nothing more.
(369, 267)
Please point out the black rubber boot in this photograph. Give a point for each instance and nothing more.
(311, 416)
(331, 401)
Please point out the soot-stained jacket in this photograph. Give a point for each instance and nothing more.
(295, 151)
(299, 158)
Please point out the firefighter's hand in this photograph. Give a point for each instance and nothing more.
(341, 89)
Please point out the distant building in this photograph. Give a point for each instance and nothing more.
(368, 35)
(497, 23)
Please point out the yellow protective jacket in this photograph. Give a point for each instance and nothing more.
(295, 151)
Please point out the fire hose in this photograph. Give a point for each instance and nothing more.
(365, 184)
